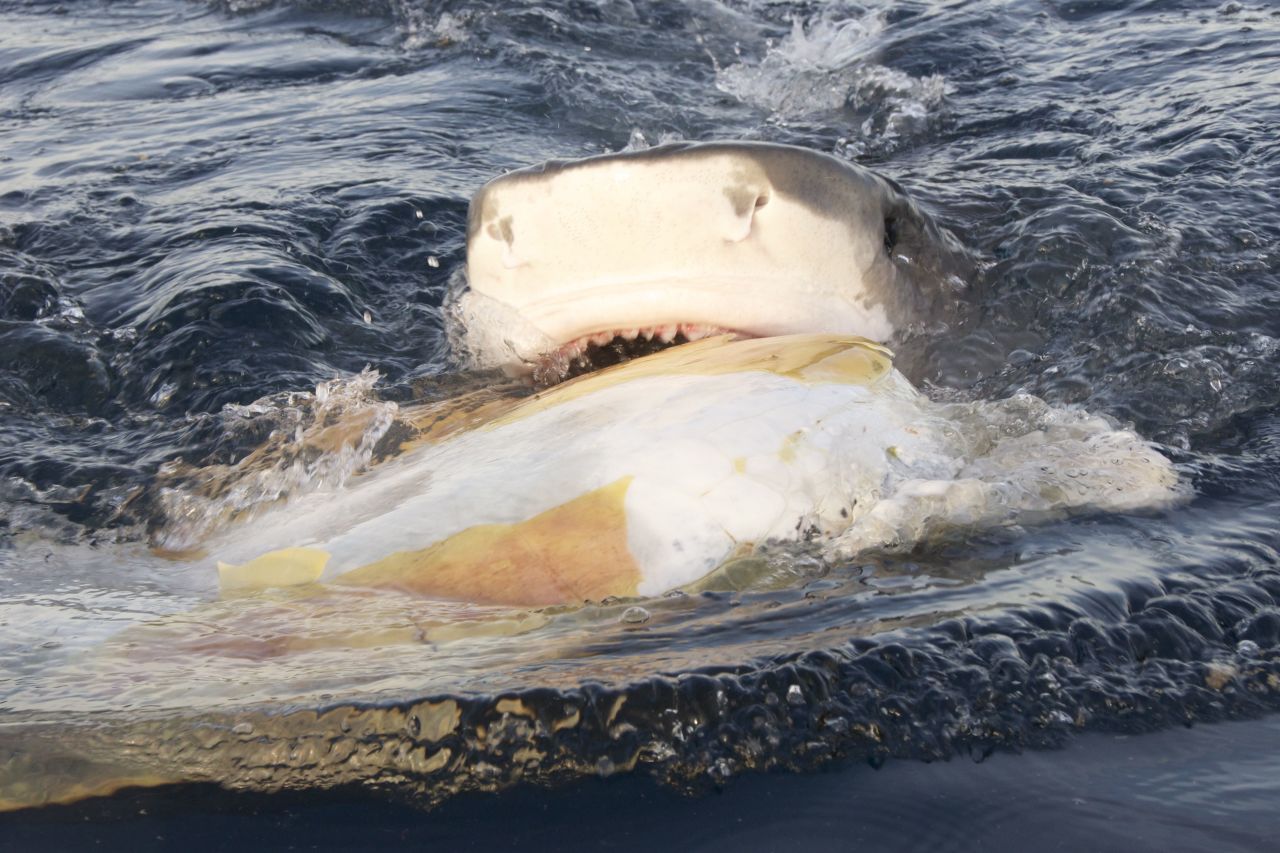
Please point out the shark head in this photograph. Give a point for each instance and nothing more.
(641, 249)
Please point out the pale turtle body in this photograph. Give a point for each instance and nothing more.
(647, 476)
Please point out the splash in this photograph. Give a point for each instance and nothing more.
(826, 66)
(427, 27)
(1016, 461)
(313, 441)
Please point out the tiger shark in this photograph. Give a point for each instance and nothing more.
(708, 326)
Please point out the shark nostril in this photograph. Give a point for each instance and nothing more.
(761, 201)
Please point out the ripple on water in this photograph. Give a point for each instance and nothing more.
(206, 206)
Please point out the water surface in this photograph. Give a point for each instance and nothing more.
(208, 209)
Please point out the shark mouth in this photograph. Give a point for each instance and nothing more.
(614, 346)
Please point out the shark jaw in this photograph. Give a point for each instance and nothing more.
(615, 346)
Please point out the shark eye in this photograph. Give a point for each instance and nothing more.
(890, 234)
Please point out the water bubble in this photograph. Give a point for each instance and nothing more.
(634, 616)
(794, 695)
(433, 262)
(1248, 649)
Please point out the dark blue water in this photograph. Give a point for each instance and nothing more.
(207, 205)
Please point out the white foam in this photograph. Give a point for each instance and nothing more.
(1014, 461)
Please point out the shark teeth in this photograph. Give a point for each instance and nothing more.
(612, 346)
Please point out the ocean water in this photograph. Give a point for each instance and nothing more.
(215, 216)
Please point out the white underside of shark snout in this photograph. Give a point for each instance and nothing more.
(712, 237)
